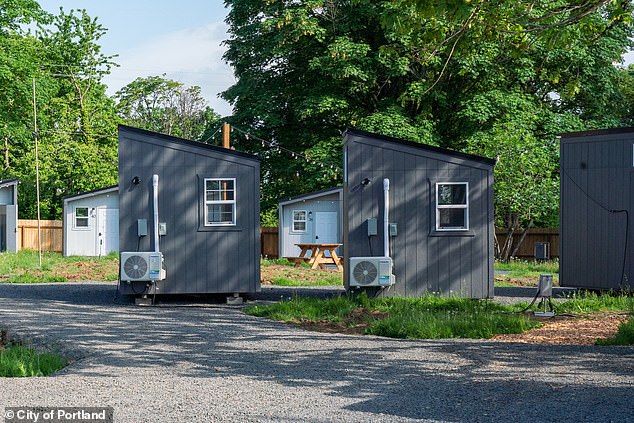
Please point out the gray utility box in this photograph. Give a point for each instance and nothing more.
(545, 285)
(542, 250)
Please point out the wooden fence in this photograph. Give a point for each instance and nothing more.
(52, 233)
(534, 235)
(269, 242)
(53, 238)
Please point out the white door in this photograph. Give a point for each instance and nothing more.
(326, 228)
(107, 231)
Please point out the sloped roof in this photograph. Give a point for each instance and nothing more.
(425, 147)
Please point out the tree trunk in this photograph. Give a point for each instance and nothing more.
(522, 238)
(512, 225)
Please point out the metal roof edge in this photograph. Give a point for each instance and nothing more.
(431, 148)
(91, 193)
(185, 141)
(311, 195)
(594, 132)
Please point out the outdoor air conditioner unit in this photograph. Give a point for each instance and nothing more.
(371, 271)
(142, 266)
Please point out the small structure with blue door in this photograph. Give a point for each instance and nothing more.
(310, 218)
(91, 223)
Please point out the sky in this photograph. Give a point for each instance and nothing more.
(181, 39)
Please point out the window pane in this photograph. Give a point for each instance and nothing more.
(452, 194)
(81, 222)
(299, 226)
(213, 185)
(299, 215)
(452, 218)
(81, 212)
(220, 213)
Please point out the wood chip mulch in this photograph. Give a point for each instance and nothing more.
(570, 330)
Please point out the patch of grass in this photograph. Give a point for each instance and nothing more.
(528, 266)
(265, 262)
(324, 281)
(589, 302)
(20, 361)
(28, 277)
(525, 272)
(624, 335)
(305, 309)
(281, 272)
(419, 318)
(23, 267)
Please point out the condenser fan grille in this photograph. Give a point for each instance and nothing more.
(365, 272)
(135, 267)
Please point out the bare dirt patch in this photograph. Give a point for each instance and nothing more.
(559, 330)
(570, 330)
(87, 270)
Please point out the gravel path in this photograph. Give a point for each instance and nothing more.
(205, 362)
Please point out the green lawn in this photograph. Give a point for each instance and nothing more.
(524, 272)
(23, 267)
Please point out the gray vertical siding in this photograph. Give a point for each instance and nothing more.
(596, 169)
(198, 259)
(425, 261)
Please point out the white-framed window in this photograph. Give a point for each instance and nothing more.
(81, 217)
(452, 206)
(220, 202)
(300, 217)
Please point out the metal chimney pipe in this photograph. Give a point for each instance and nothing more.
(155, 180)
(386, 217)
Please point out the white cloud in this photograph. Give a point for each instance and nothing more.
(192, 56)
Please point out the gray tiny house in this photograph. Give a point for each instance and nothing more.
(596, 205)
(440, 217)
(9, 215)
(208, 214)
(310, 218)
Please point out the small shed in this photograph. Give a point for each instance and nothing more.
(439, 216)
(91, 222)
(310, 218)
(596, 205)
(207, 219)
(9, 215)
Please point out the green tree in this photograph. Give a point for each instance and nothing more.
(163, 105)
(466, 75)
(76, 120)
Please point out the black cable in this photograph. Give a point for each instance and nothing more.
(370, 244)
(613, 211)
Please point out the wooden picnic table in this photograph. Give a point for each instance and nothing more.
(320, 255)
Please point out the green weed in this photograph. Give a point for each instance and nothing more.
(624, 335)
(420, 318)
(20, 361)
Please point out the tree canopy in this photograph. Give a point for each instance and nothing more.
(55, 60)
(500, 79)
(59, 66)
(163, 105)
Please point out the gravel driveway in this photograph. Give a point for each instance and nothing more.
(205, 362)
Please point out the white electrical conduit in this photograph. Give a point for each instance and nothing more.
(386, 217)
(155, 180)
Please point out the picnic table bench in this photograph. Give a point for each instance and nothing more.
(320, 256)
